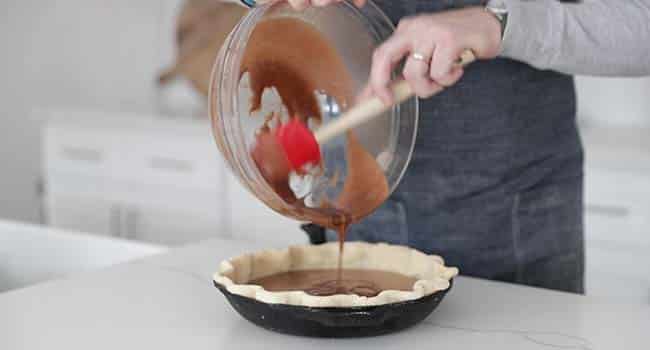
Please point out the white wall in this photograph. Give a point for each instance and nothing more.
(614, 101)
(73, 53)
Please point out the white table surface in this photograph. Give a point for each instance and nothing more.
(168, 302)
(30, 253)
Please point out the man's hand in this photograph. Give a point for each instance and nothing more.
(432, 44)
(303, 4)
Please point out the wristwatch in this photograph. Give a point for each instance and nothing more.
(499, 9)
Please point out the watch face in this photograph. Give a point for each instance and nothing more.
(249, 3)
(497, 5)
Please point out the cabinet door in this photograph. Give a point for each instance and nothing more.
(616, 234)
(85, 214)
(251, 219)
(616, 207)
(168, 226)
(618, 272)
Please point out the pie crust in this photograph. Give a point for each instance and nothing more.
(430, 271)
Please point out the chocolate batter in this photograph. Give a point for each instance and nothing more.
(366, 283)
(297, 60)
(273, 164)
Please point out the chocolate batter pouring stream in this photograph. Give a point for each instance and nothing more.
(294, 58)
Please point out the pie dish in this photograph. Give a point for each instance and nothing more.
(299, 313)
(430, 271)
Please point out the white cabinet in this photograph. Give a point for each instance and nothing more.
(617, 271)
(616, 206)
(614, 101)
(149, 178)
(167, 226)
(84, 214)
(154, 223)
(251, 219)
(133, 176)
(617, 214)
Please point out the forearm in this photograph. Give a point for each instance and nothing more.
(594, 37)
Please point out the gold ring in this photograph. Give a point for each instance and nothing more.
(419, 57)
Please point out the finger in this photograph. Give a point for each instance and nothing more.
(416, 73)
(321, 3)
(359, 3)
(383, 61)
(406, 24)
(299, 5)
(452, 77)
(443, 61)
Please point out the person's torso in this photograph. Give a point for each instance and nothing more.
(503, 129)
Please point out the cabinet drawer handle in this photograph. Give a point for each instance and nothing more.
(115, 221)
(83, 154)
(131, 223)
(608, 210)
(170, 164)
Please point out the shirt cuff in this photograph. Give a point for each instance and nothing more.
(528, 33)
(509, 40)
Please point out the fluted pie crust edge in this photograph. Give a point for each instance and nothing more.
(429, 270)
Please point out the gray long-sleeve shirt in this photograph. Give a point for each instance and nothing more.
(593, 37)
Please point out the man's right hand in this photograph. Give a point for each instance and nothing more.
(300, 5)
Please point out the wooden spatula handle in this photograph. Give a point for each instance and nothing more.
(362, 112)
(374, 107)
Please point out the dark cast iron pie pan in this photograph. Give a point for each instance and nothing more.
(334, 322)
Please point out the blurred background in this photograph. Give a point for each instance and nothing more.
(104, 130)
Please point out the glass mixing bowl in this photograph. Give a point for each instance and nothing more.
(354, 33)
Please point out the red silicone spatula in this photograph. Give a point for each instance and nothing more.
(301, 146)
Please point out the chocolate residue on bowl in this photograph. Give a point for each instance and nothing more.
(293, 57)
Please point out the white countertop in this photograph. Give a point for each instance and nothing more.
(31, 254)
(168, 302)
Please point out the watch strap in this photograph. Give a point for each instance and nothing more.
(498, 9)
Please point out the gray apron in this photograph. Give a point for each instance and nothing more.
(495, 183)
